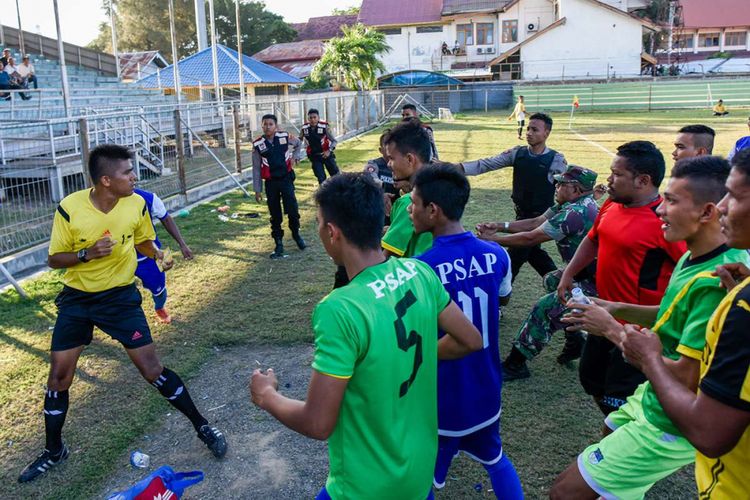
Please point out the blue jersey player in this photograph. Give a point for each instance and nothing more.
(147, 271)
(477, 274)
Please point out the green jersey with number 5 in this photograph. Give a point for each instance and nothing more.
(380, 332)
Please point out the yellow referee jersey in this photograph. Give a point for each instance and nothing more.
(79, 224)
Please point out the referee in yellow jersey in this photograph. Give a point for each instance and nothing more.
(94, 237)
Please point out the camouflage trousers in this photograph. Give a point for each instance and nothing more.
(544, 318)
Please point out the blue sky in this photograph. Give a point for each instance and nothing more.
(80, 19)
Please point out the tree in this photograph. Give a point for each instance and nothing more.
(144, 25)
(352, 58)
(347, 11)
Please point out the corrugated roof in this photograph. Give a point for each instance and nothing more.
(291, 51)
(400, 12)
(458, 6)
(197, 69)
(323, 28)
(134, 65)
(300, 69)
(715, 14)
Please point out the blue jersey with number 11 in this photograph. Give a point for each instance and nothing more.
(475, 273)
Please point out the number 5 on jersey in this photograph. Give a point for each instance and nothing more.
(405, 342)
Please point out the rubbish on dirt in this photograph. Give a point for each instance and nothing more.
(217, 407)
(139, 460)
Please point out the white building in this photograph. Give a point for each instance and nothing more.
(511, 39)
(707, 28)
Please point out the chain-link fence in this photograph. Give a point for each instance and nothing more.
(176, 149)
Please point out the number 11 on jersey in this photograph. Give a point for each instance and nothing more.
(467, 305)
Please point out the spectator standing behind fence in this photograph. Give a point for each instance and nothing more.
(274, 155)
(320, 146)
(720, 109)
(27, 72)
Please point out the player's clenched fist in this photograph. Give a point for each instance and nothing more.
(101, 248)
(261, 385)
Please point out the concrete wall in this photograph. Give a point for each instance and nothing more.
(594, 42)
(412, 50)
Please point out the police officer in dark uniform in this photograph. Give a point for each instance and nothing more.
(320, 146)
(534, 169)
(409, 111)
(274, 155)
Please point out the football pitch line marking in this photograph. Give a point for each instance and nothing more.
(593, 143)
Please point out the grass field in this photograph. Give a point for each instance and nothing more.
(233, 295)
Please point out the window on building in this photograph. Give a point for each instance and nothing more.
(708, 39)
(465, 34)
(429, 29)
(390, 31)
(735, 38)
(683, 42)
(510, 31)
(485, 33)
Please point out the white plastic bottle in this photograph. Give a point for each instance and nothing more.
(578, 297)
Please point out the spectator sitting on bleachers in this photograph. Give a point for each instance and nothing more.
(6, 83)
(6, 56)
(16, 80)
(27, 72)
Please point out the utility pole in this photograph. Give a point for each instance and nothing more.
(200, 23)
(113, 21)
(672, 7)
(20, 30)
(239, 52)
(175, 60)
(63, 68)
(214, 53)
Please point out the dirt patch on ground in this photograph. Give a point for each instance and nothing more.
(264, 460)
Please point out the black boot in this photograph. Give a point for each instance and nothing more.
(278, 252)
(514, 366)
(298, 239)
(574, 342)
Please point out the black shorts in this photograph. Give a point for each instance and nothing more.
(117, 312)
(605, 374)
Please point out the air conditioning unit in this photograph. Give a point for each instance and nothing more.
(532, 27)
(480, 50)
(489, 50)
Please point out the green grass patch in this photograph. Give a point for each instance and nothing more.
(232, 294)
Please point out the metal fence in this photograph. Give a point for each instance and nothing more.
(176, 149)
(637, 96)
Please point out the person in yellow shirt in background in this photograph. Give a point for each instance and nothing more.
(94, 237)
(716, 420)
(519, 113)
(720, 109)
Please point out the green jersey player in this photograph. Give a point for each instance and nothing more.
(373, 391)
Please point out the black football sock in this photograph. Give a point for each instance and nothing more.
(55, 410)
(170, 386)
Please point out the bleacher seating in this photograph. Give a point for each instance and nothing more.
(89, 90)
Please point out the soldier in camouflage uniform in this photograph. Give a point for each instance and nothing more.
(567, 223)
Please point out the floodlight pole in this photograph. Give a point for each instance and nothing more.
(20, 30)
(672, 7)
(200, 23)
(214, 53)
(239, 52)
(175, 61)
(114, 36)
(63, 68)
